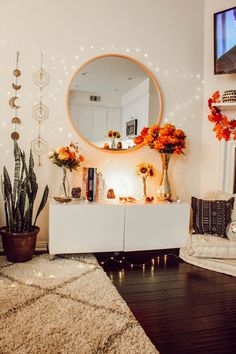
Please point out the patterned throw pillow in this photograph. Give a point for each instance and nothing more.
(211, 216)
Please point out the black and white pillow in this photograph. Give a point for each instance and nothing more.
(211, 216)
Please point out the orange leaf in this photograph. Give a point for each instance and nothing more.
(216, 96)
(225, 121)
(217, 128)
(226, 134)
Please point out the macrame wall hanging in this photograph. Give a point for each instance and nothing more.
(12, 102)
(40, 111)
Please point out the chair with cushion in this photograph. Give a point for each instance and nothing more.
(208, 245)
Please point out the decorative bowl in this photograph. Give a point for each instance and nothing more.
(63, 199)
(229, 96)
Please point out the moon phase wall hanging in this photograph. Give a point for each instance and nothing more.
(12, 102)
(40, 111)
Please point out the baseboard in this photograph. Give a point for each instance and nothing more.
(40, 246)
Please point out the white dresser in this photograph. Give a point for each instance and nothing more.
(91, 227)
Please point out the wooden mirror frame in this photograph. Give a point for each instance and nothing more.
(149, 73)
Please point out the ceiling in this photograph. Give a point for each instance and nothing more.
(107, 75)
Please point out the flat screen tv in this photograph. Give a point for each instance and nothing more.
(225, 41)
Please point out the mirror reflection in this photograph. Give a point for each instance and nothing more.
(111, 98)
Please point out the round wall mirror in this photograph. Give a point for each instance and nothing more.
(110, 99)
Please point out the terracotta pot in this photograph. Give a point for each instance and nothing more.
(19, 247)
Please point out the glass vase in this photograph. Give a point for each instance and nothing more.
(144, 179)
(113, 143)
(64, 190)
(164, 188)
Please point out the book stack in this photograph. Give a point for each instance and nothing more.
(93, 184)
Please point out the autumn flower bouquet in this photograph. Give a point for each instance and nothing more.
(66, 157)
(69, 158)
(113, 135)
(145, 170)
(167, 140)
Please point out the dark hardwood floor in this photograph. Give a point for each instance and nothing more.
(182, 308)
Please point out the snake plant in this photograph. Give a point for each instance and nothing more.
(19, 198)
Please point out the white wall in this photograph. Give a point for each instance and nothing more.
(212, 150)
(135, 105)
(165, 35)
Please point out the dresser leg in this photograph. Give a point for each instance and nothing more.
(52, 257)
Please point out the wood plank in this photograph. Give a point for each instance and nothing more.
(182, 308)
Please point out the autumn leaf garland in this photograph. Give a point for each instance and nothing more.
(224, 127)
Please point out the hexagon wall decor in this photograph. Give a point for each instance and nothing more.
(40, 112)
(41, 78)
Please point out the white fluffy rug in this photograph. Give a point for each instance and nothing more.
(65, 306)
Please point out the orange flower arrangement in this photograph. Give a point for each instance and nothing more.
(113, 135)
(166, 139)
(223, 126)
(67, 157)
(145, 170)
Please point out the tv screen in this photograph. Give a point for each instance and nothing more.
(225, 41)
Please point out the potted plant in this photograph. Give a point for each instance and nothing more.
(20, 233)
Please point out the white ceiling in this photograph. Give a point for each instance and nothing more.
(109, 74)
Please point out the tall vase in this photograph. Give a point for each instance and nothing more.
(64, 190)
(165, 190)
(144, 179)
(113, 143)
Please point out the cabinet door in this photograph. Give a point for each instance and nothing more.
(99, 122)
(82, 228)
(84, 120)
(114, 119)
(160, 226)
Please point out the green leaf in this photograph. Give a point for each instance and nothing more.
(17, 155)
(7, 182)
(18, 220)
(43, 203)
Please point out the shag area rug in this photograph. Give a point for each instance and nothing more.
(67, 305)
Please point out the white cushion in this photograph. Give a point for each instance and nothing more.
(210, 246)
(227, 266)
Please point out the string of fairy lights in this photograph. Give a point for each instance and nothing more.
(61, 70)
(122, 260)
